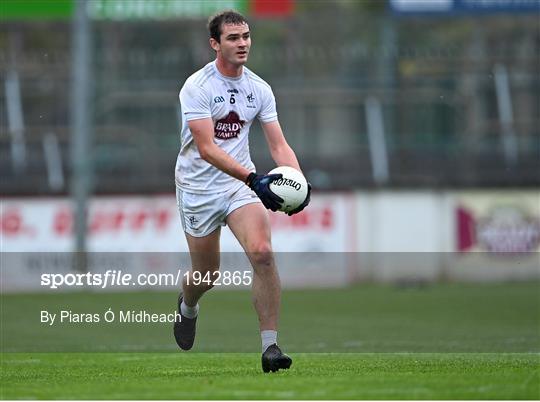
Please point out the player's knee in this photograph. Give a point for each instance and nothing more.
(261, 254)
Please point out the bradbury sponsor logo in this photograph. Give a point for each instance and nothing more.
(288, 183)
(505, 229)
(228, 127)
(508, 230)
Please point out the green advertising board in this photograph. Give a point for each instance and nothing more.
(36, 9)
(117, 10)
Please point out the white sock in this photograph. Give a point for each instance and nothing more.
(189, 312)
(268, 337)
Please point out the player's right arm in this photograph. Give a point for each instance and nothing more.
(202, 131)
(195, 101)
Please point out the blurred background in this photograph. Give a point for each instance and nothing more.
(417, 122)
(408, 94)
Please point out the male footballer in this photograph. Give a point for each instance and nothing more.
(216, 182)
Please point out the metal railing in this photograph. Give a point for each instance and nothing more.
(457, 108)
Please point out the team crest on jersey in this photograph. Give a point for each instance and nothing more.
(228, 127)
(250, 98)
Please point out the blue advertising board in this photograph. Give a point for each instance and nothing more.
(463, 7)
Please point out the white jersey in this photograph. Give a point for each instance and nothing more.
(233, 104)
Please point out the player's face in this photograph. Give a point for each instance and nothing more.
(235, 43)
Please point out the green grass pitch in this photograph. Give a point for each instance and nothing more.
(238, 376)
(365, 342)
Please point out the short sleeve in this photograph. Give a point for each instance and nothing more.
(268, 112)
(194, 102)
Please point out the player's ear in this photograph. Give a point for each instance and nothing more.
(214, 44)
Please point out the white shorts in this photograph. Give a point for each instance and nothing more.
(201, 214)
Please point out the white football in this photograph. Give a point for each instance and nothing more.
(292, 187)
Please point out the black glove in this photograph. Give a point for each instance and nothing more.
(304, 204)
(260, 184)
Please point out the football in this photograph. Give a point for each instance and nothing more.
(292, 187)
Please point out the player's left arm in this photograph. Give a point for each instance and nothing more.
(283, 154)
(280, 150)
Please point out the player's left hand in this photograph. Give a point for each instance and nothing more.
(304, 204)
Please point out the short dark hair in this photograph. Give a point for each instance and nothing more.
(224, 17)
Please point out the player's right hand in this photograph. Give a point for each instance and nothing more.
(260, 185)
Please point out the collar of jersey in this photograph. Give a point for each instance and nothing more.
(225, 77)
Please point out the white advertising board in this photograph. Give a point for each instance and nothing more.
(144, 235)
(381, 236)
(151, 224)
